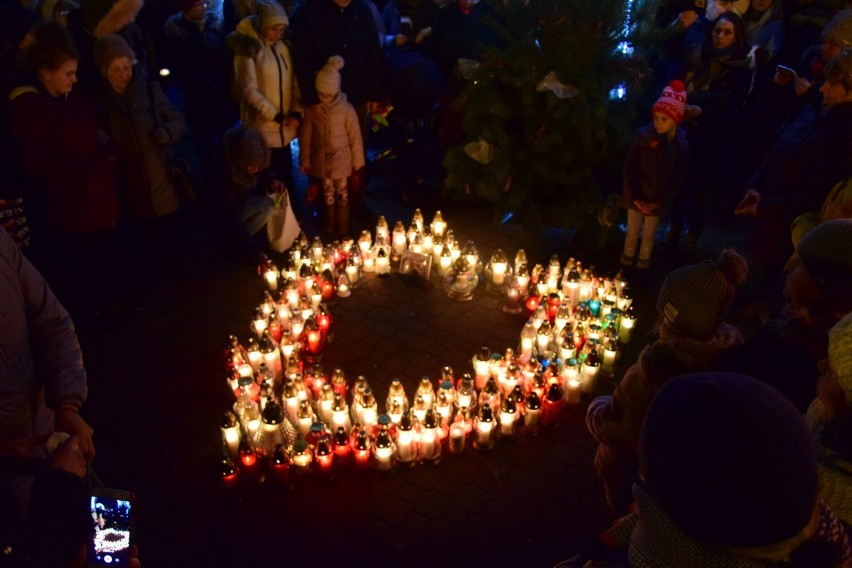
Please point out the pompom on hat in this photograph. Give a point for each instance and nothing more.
(672, 102)
(840, 354)
(729, 459)
(270, 14)
(695, 298)
(110, 47)
(838, 30)
(328, 78)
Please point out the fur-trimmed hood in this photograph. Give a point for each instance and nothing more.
(102, 17)
(244, 40)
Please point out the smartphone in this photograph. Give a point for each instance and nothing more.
(786, 72)
(112, 527)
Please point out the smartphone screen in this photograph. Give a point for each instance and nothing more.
(111, 519)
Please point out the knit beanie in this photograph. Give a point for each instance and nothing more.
(110, 47)
(694, 299)
(328, 78)
(729, 459)
(840, 354)
(271, 14)
(672, 102)
(838, 30)
(826, 256)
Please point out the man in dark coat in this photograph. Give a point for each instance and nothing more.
(322, 28)
(199, 62)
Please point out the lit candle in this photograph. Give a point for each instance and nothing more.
(533, 413)
(382, 262)
(231, 434)
(589, 371)
(406, 449)
(484, 426)
(457, 436)
(271, 276)
(625, 329)
(499, 266)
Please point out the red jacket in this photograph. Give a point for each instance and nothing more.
(57, 143)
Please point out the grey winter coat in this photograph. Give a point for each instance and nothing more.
(41, 365)
(146, 191)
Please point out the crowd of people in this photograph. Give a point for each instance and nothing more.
(718, 451)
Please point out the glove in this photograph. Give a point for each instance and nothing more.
(160, 135)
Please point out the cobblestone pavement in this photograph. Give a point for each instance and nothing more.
(157, 393)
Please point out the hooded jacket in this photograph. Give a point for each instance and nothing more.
(264, 83)
(41, 365)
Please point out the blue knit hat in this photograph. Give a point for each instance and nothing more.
(729, 459)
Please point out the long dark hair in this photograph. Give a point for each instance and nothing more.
(740, 46)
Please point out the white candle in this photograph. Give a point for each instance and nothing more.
(457, 435)
(427, 443)
(572, 390)
(405, 445)
(625, 330)
(483, 432)
(383, 458)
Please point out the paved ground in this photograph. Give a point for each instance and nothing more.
(157, 393)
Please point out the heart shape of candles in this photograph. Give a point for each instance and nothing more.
(298, 419)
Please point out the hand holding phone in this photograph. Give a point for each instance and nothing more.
(784, 74)
(112, 520)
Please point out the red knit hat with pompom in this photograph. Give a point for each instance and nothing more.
(672, 102)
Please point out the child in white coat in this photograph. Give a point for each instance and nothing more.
(330, 145)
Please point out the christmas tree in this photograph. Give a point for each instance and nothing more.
(546, 117)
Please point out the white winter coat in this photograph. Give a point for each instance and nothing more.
(265, 83)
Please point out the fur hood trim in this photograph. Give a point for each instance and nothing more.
(104, 17)
(242, 44)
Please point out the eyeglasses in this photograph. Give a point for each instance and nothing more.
(204, 4)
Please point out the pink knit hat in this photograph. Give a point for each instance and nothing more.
(672, 102)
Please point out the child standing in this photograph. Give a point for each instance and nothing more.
(330, 145)
(654, 172)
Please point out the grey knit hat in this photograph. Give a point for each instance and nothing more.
(826, 255)
(271, 14)
(110, 47)
(694, 299)
(838, 30)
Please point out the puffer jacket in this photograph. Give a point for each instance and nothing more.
(616, 421)
(148, 190)
(330, 143)
(264, 83)
(41, 364)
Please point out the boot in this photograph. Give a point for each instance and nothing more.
(328, 222)
(342, 220)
